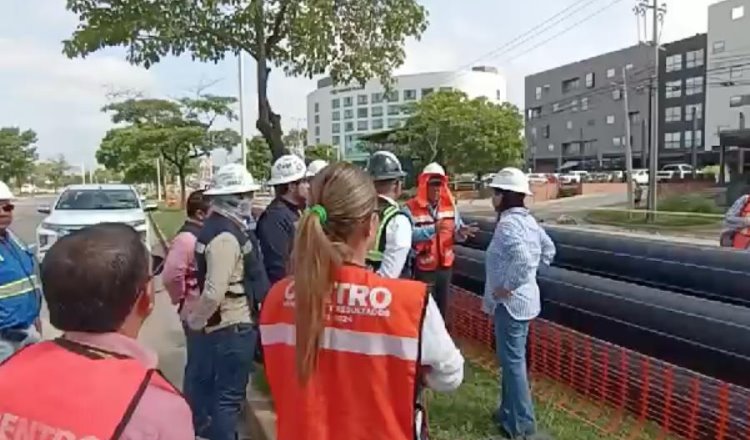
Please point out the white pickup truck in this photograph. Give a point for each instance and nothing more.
(675, 171)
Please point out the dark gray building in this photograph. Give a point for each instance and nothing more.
(575, 113)
(682, 94)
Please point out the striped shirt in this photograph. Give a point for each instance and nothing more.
(517, 248)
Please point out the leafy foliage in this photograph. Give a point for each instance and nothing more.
(321, 151)
(18, 154)
(258, 158)
(352, 40)
(465, 135)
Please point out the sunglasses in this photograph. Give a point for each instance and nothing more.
(8, 207)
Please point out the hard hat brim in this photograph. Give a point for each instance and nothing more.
(236, 189)
(389, 176)
(288, 179)
(511, 188)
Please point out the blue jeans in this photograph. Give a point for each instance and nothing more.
(232, 350)
(516, 411)
(12, 340)
(199, 380)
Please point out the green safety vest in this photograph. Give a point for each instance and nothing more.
(375, 256)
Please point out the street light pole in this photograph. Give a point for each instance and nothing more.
(241, 81)
(628, 145)
(694, 146)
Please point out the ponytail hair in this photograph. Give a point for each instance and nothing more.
(343, 198)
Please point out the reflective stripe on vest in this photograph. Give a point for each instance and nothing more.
(376, 255)
(438, 251)
(368, 361)
(52, 392)
(19, 287)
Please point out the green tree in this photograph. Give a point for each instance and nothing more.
(295, 139)
(258, 158)
(57, 171)
(18, 154)
(352, 40)
(465, 135)
(321, 151)
(178, 132)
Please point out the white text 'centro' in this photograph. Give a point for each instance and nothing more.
(353, 299)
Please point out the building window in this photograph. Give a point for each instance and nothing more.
(336, 115)
(610, 119)
(698, 108)
(570, 84)
(674, 89)
(317, 141)
(628, 66)
(393, 109)
(674, 62)
(394, 123)
(590, 80)
(689, 138)
(335, 103)
(362, 112)
(718, 46)
(673, 114)
(694, 86)
(336, 140)
(611, 73)
(556, 107)
(317, 107)
(426, 92)
(584, 103)
(347, 101)
(377, 111)
(735, 101)
(349, 126)
(377, 98)
(694, 58)
(362, 125)
(569, 125)
(574, 105)
(317, 130)
(672, 140)
(538, 93)
(738, 12)
(348, 113)
(617, 141)
(392, 96)
(317, 119)
(377, 124)
(361, 99)
(498, 95)
(635, 117)
(535, 112)
(410, 95)
(617, 94)
(407, 109)
(336, 128)
(735, 72)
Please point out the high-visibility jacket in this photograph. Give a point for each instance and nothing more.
(65, 390)
(365, 385)
(437, 252)
(741, 239)
(20, 298)
(387, 211)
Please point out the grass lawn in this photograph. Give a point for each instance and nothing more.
(466, 413)
(169, 220)
(662, 220)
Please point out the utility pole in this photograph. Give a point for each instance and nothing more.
(243, 144)
(694, 147)
(657, 15)
(628, 145)
(158, 179)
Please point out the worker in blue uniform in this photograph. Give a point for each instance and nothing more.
(20, 296)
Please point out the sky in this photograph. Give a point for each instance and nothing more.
(61, 99)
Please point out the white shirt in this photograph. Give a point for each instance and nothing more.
(397, 244)
(439, 352)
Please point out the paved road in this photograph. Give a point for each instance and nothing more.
(162, 331)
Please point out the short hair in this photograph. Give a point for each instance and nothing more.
(196, 201)
(92, 277)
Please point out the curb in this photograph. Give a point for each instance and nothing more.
(260, 417)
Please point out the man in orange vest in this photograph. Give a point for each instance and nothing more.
(346, 350)
(96, 381)
(437, 225)
(737, 224)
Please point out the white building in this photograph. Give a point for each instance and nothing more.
(728, 69)
(339, 115)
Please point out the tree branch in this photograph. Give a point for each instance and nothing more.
(276, 33)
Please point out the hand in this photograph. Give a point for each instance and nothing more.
(468, 231)
(501, 293)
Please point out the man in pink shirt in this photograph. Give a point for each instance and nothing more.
(96, 381)
(180, 282)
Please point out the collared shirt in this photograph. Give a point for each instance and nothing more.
(733, 220)
(398, 234)
(159, 414)
(517, 248)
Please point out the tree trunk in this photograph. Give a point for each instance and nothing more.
(181, 175)
(269, 123)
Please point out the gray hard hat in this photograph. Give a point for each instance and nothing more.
(384, 165)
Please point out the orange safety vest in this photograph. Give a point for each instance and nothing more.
(437, 252)
(67, 391)
(365, 385)
(741, 239)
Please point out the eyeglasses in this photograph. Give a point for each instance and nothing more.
(8, 207)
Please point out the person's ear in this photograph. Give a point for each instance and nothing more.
(144, 304)
(372, 230)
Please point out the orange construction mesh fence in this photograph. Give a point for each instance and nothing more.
(676, 402)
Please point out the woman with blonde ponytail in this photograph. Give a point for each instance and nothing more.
(347, 351)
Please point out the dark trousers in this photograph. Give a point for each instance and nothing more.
(438, 282)
(197, 386)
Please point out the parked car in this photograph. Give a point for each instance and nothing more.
(675, 171)
(79, 206)
(574, 177)
(538, 178)
(640, 176)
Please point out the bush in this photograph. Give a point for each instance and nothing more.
(640, 220)
(689, 203)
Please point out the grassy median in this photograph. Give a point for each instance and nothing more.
(169, 220)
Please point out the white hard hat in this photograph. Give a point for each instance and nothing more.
(434, 168)
(287, 169)
(5, 192)
(511, 179)
(232, 178)
(315, 167)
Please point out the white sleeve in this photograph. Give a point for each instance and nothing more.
(397, 246)
(439, 352)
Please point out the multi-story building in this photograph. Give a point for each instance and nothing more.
(682, 97)
(340, 115)
(728, 68)
(575, 114)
